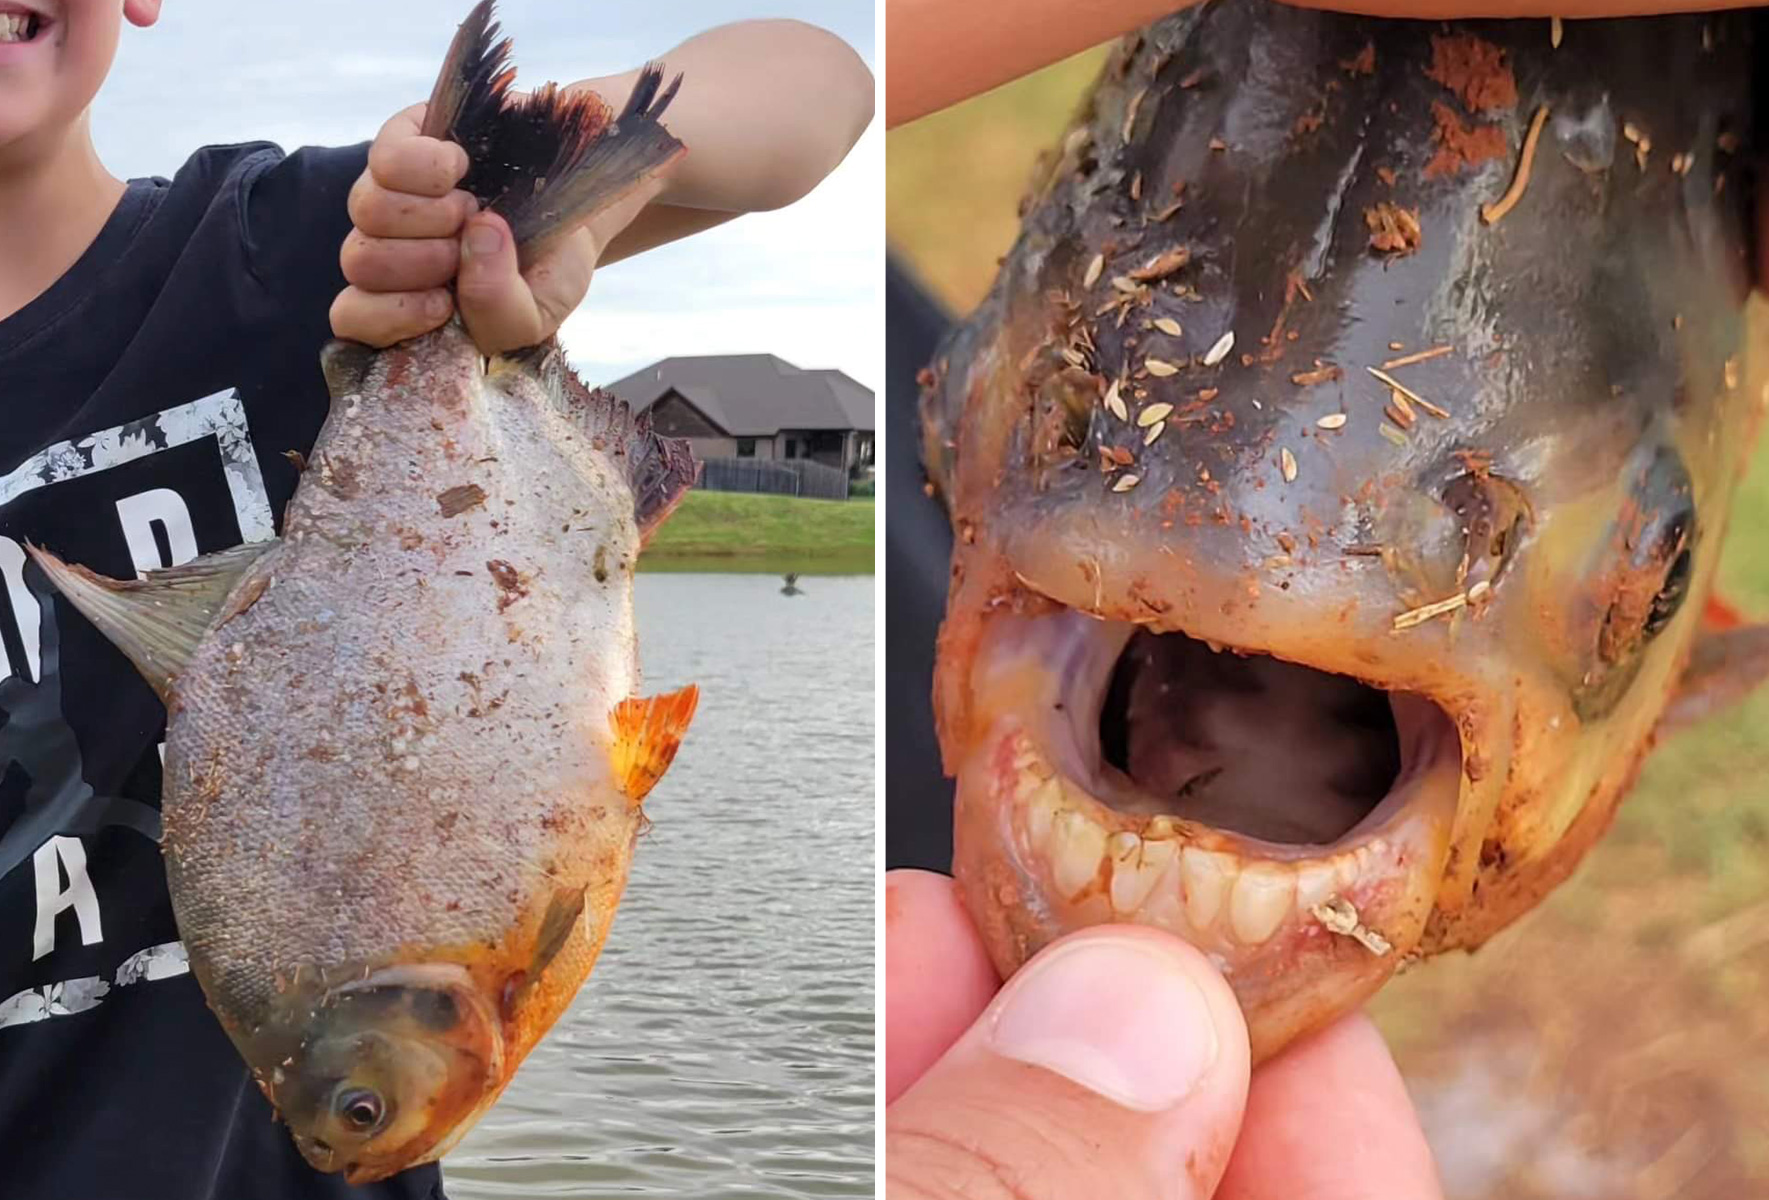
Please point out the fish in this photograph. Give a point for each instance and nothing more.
(407, 753)
(1338, 468)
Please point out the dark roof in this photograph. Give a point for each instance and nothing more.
(753, 395)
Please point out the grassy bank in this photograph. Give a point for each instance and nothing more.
(729, 531)
(1615, 1042)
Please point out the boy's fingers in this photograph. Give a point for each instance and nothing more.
(502, 308)
(399, 264)
(381, 213)
(403, 160)
(386, 318)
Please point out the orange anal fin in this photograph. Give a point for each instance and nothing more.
(1720, 615)
(647, 733)
(1724, 668)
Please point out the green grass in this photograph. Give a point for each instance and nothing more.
(731, 531)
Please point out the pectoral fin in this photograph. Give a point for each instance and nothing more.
(158, 620)
(1726, 665)
(647, 733)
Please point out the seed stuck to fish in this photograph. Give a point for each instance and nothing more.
(1322, 373)
(1220, 350)
(1332, 421)
(1126, 482)
(1093, 271)
(1418, 616)
(1160, 367)
(1340, 916)
(1153, 414)
(1162, 265)
(1287, 463)
(1168, 326)
(1419, 356)
(1407, 394)
(1115, 403)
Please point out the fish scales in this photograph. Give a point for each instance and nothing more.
(406, 752)
(430, 759)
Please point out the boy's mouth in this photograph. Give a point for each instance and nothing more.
(20, 25)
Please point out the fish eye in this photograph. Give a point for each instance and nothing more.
(360, 1109)
(1671, 595)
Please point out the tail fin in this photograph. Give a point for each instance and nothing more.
(550, 161)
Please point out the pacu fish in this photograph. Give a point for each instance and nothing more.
(1338, 468)
(406, 757)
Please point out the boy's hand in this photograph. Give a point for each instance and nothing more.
(416, 231)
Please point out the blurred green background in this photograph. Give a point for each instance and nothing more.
(1614, 1044)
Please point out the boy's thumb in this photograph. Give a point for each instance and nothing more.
(1113, 1064)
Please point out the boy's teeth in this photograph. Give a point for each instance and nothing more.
(15, 27)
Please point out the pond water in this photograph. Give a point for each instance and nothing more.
(723, 1045)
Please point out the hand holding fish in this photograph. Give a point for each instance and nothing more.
(1060, 1087)
(775, 106)
(416, 231)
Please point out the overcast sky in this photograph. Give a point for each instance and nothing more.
(800, 283)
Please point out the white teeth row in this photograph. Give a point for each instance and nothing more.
(14, 27)
(1159, 879)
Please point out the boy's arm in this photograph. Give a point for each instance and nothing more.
(767, 109)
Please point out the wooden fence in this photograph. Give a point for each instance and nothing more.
(780, 477)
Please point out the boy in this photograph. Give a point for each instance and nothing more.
(159, 352)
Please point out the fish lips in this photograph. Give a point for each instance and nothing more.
(1052, 835)
(384, 1072)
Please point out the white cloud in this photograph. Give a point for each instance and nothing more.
(801, 283)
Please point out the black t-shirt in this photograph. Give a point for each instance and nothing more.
(147, 402)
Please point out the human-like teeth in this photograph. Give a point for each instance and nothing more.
(1079, 846)
(1206, 876)
(1137, 866)
(1315, 881)
(1263, 895)
(16, 27)
(1158, 877)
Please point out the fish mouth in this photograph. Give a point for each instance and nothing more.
(1291, 822)
(384, 1072)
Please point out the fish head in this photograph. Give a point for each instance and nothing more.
(1317, 602)
(383, 1073)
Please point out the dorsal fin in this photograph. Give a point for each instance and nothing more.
(549, 161)
(156, 621)
(660, 469)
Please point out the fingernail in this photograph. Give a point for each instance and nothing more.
(1126, 1021)
(484, 240)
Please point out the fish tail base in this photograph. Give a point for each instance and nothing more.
(549, 161)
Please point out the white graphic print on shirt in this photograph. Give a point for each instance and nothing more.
(60, 807)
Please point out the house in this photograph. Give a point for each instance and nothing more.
(756, 406)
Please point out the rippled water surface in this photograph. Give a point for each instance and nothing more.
(723, 1045)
